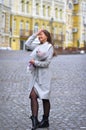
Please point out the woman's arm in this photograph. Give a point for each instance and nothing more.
(30, 40)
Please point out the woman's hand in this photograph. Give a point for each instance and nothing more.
(39, 31)
(32, 61)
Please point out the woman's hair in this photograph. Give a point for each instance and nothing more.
(49, 39)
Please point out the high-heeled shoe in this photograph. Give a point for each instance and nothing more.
(44, 122)
(35, 122)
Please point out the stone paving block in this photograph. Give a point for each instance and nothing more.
(68, 95)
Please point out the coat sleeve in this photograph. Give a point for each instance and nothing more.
(30, 40)
(46, 62)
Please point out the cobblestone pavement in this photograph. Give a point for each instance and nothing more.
(68, 96)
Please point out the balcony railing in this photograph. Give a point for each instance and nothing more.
(57, 38)
(25, 33)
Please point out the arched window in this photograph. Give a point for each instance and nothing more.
(14, 24)
(27, 30)
(48, 27)
(22, 6)
(44, 10)
(55, 32)
(48, 11)
(43, 26)
(35, 27)
(60, 13)
(3, 20)
(27, 6)
(27, 26)
(21, 25)
(56, 12)
(37, 8)
(59, 30)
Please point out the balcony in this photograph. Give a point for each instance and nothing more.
(58, 37)
(25, 33)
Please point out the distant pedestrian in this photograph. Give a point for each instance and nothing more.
(39, 62)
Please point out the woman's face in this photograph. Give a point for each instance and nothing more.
(42, 37)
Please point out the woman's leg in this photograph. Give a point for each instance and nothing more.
(34, 109)
(46, 108)
(34, 103)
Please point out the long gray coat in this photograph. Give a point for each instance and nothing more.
(41, 75)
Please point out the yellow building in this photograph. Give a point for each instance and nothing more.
(69, 24)
(5, 23)
(30, 15)
(65, 19)
(79, 23)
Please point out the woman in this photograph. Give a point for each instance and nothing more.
(40, 79)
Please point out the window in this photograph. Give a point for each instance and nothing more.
(21, 25)
(55, 32)
(48, 28)
(56, 12)
(44, 10)
(37, 8)
(21, 28)
(48, 10)
(59, 30)
(3, 40)
(14, 24)
(3, 20)
(60, 13)
(27, 7)
(22, 5)
(43, 26)
(36, 27)
(27, 26)
(83, 37)
(70, 6)
(67, 36)
(68, 19)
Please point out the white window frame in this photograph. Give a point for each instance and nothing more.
(36, 27)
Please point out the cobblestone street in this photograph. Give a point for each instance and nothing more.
(68, 96)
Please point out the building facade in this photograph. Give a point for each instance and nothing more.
(69, 24)
(79, 23)
(5, 11)
(64, 19)
(28, 16)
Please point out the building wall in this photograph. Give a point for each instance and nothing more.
(69, 24)
(5, 23)
(65, 19)
(26, 21)
(79, 22)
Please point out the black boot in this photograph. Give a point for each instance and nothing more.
(35, 122)
(44, 123)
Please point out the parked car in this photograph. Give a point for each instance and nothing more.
(5, 48)
(82, 52)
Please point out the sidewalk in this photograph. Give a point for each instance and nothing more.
(68, 96)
